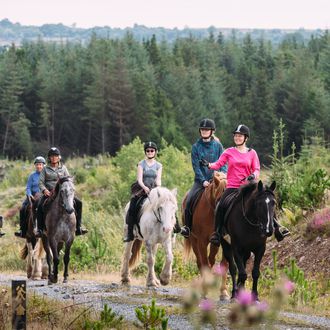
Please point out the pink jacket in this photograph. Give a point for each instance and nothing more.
(240, 166)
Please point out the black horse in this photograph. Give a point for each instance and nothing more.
(249, 223)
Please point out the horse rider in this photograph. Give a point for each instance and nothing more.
(149, 175)
(32, 189)
(243, 166)
(47, 182)
(206, 147)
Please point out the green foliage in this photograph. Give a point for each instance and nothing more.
(305, 290)
(301, 182)
(108, 319)
(151, 317)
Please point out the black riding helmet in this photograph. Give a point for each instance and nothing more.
(53, 152)
(242, 129)
(207, 123)
(151, 145)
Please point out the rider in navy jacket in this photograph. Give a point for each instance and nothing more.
(207, 147)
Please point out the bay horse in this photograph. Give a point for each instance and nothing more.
(33, 249)
(249, 223)
(203, 227)
(60, 222)
(157, 220)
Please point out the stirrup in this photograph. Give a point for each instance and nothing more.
(185, 231)
(280, 233)
(128, 239)
(215, 239)
(81, 231)
(18, 234)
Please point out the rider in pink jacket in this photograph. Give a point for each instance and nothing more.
(243, 166)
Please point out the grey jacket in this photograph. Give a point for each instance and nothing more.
(49, 176)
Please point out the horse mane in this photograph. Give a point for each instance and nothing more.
(247, 189)
(60, 181)
(157, 197)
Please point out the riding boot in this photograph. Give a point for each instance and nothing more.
(1, 224)
(215, 238)
(280, 231)
(177, 227)
(78, 208)
(130, 226)
(186, 229)
(22, 223)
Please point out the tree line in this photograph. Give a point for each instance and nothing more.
(93, 98)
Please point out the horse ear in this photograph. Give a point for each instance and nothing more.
(174, 191)
(260, 186)
(273, 186)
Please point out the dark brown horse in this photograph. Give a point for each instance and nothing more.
(60, 224)
(203, 227)
(249, 223)
(33, 249)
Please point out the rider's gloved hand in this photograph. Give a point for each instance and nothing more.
(204, 162)
(251, 177)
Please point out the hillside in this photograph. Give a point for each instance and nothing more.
(17, 33)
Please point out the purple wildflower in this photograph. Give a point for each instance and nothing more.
(289, 286)
(244, 298)
(206, 305)
(220, 269)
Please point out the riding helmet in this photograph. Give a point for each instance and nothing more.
(39, 159)
(242, 129)
(207, 123)
(151, 145)
(54, 152)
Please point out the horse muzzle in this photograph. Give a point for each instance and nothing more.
(69, 210)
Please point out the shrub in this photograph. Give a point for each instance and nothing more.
(319, 224)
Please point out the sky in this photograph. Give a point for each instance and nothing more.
(265, 14)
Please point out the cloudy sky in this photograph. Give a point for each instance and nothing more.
(308, 14)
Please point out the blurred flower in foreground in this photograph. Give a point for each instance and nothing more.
(244, 297)
(219, 269)
(289, 286)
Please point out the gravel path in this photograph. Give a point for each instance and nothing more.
(123, 300)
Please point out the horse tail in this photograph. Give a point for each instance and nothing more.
(186, 248)
(136, 253)
(24, 252)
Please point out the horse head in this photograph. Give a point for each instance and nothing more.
(163, 205)
(216, 188)
(265, 204)
(65, 190)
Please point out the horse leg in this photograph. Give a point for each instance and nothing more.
(228, 254)
(53, 247)
(239, 260)
(151, 254)
(49, 258)
(29, 260)
(166, 273)
(256, 271)
(194, 245)
(36, 262)
(66, 260)
(125, 275)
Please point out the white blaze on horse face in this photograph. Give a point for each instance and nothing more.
(267, 200)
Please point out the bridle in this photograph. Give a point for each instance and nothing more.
(251, 223)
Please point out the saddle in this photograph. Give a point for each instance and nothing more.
(195, 201)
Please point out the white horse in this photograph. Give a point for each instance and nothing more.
(156, 225)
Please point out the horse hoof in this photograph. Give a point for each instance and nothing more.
(152, 285)
(224, 298)
(65, 280)
(164, 281)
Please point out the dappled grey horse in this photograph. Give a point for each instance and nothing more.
(60, 224)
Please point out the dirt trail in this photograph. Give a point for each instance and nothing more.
(123, 300)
